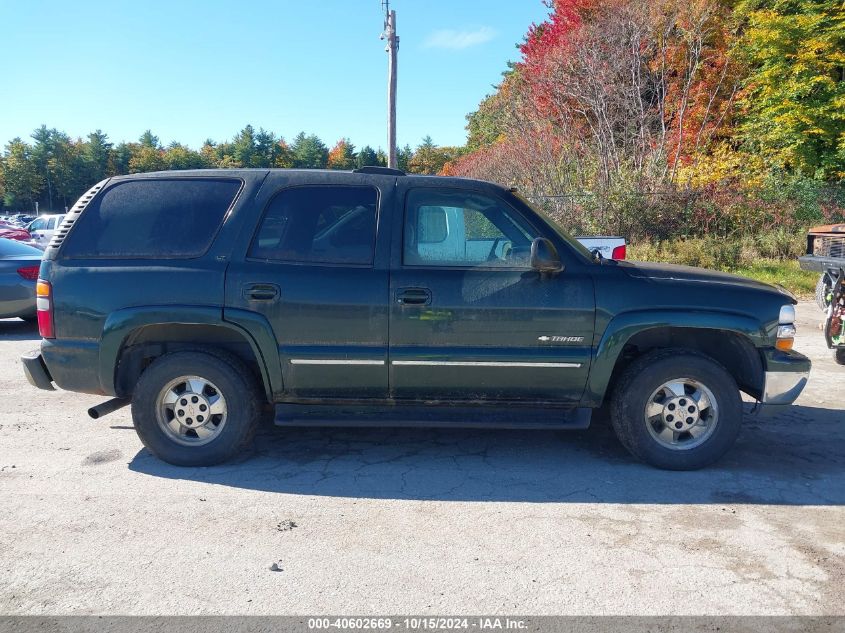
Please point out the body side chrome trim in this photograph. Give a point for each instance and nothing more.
(334, 361)
(429, 363)
(483, 363)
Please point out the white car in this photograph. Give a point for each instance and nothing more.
(43, 227)
(610, 247)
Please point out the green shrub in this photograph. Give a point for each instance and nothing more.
(780, 244)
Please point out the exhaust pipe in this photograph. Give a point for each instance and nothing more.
(109, 406)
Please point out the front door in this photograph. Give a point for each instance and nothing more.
(469, 319)
(311, 270)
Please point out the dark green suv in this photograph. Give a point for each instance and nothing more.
(215, 299)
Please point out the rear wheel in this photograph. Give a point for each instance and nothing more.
(676, 410)
(839, 355)
(196, 408)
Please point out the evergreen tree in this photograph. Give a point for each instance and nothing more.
(403, 157)
(148, 139)
(309, 152)
(367, 157)
(243, 148)
(96, 156)
(121, 156)
(266, 149)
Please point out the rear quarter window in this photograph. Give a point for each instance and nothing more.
(156, 218)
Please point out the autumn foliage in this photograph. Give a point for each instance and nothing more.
(639, 116)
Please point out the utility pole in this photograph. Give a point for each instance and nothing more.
(392, 49)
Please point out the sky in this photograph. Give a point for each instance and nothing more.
(191, 70)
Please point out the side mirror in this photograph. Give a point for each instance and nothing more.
(544, 257)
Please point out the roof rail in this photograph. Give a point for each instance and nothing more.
(382, 171)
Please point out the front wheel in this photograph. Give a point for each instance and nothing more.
(839, 355)
(196, 408)
(676, 410)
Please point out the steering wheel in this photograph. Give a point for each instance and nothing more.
(507, 250)
(492, 254)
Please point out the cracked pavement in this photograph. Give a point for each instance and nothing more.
(394, 521)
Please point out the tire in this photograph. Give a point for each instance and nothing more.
(823, 287)
(203, 436)
(653, 440)
(839, 355)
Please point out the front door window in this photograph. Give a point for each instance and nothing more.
(453, 228)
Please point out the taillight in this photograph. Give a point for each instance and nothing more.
(619, 252)
(44, 308)
(29, 272)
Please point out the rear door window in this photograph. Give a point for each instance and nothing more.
(156, 218)
(320, 225)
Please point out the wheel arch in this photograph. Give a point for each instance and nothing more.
(133, 337)
(729, 339)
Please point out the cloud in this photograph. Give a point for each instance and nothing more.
(455, 40)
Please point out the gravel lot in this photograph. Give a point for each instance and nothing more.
(379, 521)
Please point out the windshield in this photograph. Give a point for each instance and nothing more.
(564, 235)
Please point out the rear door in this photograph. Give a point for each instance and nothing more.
(469, 319)
(313, 270)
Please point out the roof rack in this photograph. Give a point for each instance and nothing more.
(382, 171)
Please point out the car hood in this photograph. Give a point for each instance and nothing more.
(689, 274)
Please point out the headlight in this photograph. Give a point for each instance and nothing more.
(786, 328)
(786, 331)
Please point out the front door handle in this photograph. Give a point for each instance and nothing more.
(413, 296)
(261, 292)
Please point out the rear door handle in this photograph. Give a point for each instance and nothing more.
(261, 292)
(413, 296)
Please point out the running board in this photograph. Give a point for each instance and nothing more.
(408, 415)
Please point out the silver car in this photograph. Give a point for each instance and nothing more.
(19, 266)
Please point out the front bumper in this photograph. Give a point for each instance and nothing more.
(786, 376)
(36, 371)
(783, 387)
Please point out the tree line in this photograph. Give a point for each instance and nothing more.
(54, 169)
(647, 118)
